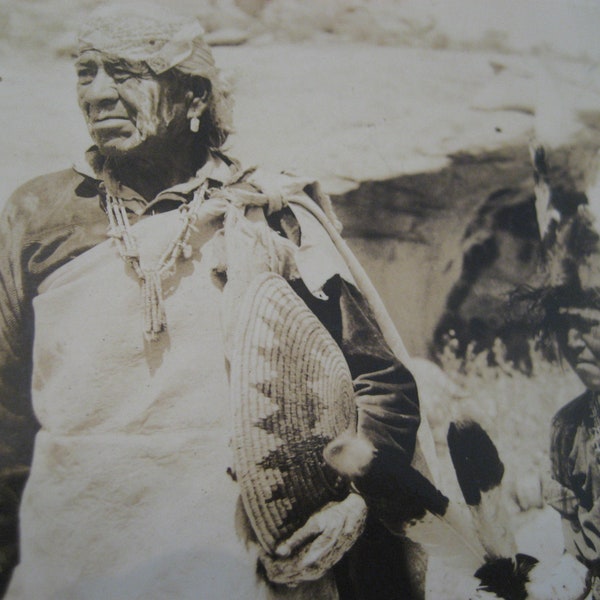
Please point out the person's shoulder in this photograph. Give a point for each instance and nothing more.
(565, 425)
(48, 184)
(47, 194)
(568, 420)
(574, 412)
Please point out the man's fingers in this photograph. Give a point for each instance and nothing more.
(322, 545)
(310, 530)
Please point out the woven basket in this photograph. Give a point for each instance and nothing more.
(292, 394)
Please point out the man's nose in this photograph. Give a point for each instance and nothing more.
(575, 339)
(100, 90)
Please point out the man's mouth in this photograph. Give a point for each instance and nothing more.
(583, 362)
(108, 119)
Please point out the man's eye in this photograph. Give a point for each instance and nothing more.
(85, 75)
(584, 325)
(120, 75)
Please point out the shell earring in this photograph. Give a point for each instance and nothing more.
(194, 124)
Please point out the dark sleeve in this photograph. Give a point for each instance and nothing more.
(387, 403)
(17, 423)
(385, 391)
(563, 438)
(574, 495)
(561, 441)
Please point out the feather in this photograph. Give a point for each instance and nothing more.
(555, 198)
(479, 472)
(507, 577)
(408, 502)
(449, 537)
(475, 459)
(543, 205)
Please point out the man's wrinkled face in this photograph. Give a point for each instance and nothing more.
(126, 107)
(580, 343)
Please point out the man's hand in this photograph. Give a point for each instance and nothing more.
(312, 550)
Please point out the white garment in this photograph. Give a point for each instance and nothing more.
(128, 495)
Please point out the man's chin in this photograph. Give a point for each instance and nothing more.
(589, 375)
(117, 146)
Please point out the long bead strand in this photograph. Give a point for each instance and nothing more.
(119, 229)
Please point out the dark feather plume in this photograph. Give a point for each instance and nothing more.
(507, 577)
(479, 472)
(475, 458)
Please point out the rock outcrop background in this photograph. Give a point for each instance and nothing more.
(417, 118)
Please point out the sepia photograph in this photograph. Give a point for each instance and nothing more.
(298, 300)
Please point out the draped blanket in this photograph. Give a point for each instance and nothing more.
(131, 429)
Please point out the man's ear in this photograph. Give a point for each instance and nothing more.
(197, 106)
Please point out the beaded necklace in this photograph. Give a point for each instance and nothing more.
(119, 229)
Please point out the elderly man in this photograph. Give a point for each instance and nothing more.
(119, 291)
